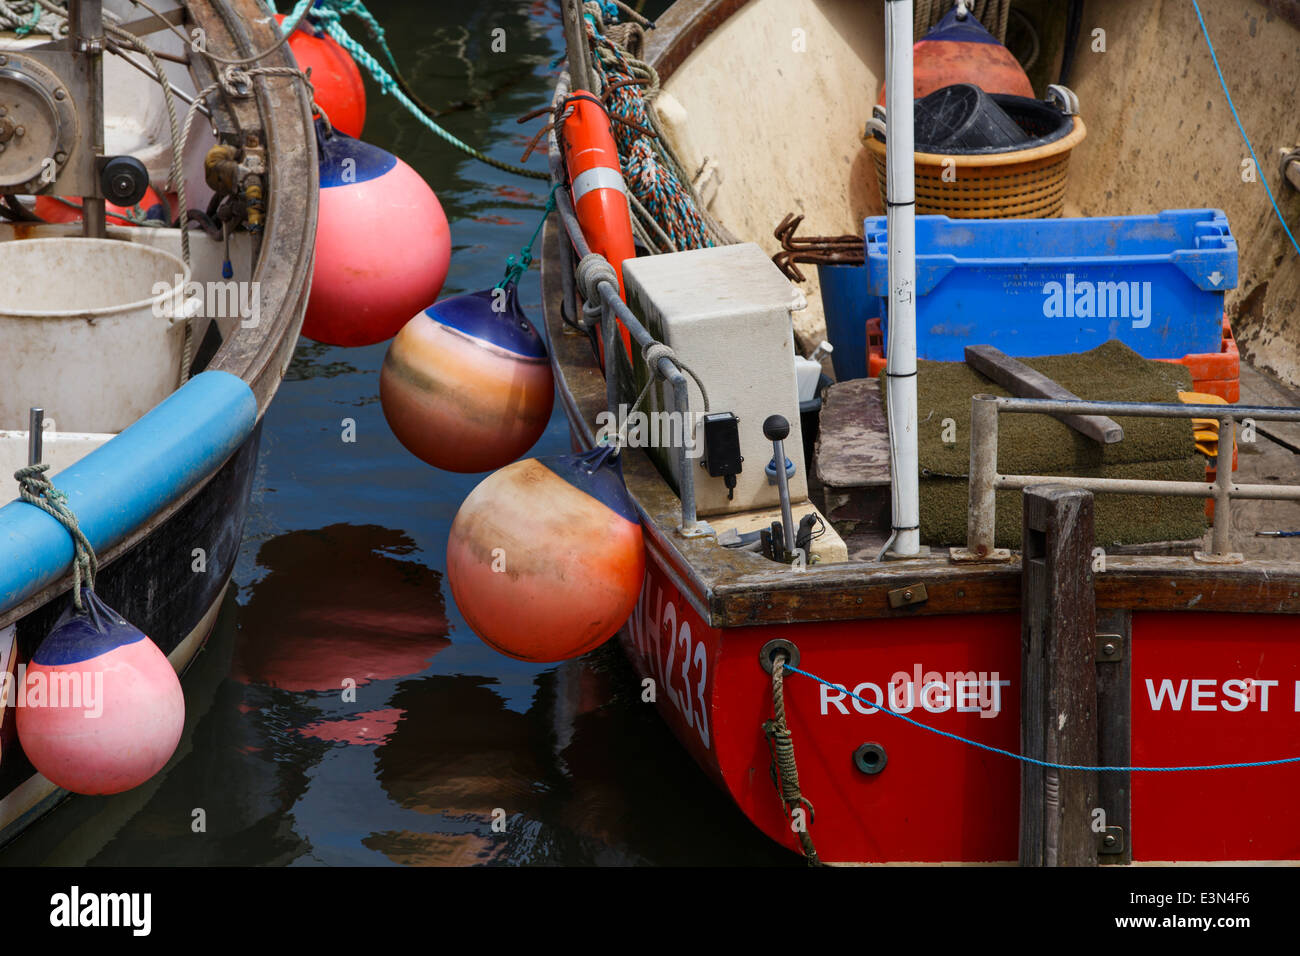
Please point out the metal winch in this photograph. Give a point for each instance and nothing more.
(52, 122)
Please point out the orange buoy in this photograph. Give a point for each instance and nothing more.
(545, 557)
(466, 386)
(102, 709)
(68, 209)
(962, 51)
(383, 245)
(335, 77)
(599, 192)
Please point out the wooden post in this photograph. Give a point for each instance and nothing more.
(1058, 698)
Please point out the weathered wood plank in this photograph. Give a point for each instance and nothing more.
(1058, 702)
(1024, 382)
(1260, 388)
(853, 436)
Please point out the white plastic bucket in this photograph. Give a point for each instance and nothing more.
(83, 332)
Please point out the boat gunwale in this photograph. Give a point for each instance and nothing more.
(259, 355)
(727, 593)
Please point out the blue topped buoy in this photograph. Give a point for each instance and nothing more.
(102, 708)
(466, 385)
(382, 244)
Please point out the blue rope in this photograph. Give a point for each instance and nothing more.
(1223, 83)
(1032, 760)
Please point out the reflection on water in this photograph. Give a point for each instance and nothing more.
(340, 578)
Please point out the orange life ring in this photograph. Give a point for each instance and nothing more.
(596, 182)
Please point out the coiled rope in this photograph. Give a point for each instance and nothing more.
(992, 14)
(37, 490)
(785, 773)
(668, 214)
(26, 16)
(876, 708)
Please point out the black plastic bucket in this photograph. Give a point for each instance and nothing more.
(963, 118)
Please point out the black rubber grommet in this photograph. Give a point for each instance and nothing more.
(870, 758)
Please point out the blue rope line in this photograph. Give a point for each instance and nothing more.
(1032, 760)
(1263, 178)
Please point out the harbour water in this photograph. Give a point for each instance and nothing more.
(450, 753)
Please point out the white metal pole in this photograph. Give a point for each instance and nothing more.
(900, 199)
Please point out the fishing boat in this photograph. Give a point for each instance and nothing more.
(1064, 700)
(137, 360)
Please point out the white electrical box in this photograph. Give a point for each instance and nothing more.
(725, 312)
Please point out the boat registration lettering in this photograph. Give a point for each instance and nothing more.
(678, 660)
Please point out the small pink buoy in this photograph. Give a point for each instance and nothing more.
(466, 386)
(383, 245)
(102, 709)
(545, 557)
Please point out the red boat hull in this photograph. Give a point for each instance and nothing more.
(1233, 695)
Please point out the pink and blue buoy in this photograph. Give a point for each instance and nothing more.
(102, 709)
(382, 244)
(466, 385)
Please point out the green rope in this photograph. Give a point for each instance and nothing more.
(516, 266)
(31, 24)
(326, 16)
(37, 490)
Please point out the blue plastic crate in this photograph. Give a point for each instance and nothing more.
(1051, 286)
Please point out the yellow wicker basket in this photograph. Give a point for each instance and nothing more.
(1025, 184)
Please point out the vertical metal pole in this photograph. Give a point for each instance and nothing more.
(981, 519)
(86, 31)
(901, 226)
(1220, 537)
(682, 401)
(35, 437)
(783, 491)
(609, 335)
